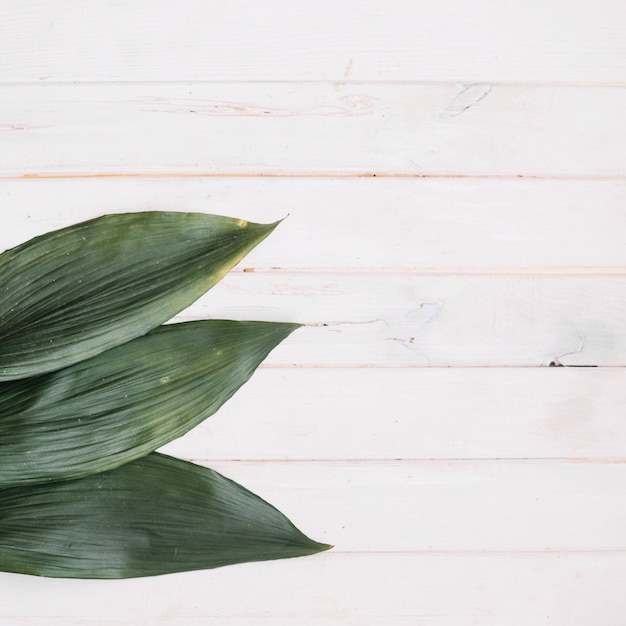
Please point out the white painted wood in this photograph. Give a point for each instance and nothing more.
(567, 589)
(446, 413)
(358, 224)
(198, 40)
(396, 318)
(407, 506)
(312, 129)
(416, 319)
(459, 490)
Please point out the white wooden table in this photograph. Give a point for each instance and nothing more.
(454, 174)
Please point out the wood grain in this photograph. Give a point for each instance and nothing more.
(464, 226)
(244, 40)
(417, 320)
(312, 129)
(476, 506)
(528, 589)
(366, 414)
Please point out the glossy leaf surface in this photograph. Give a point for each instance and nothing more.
(127, 401)
(73, 293)
(153, 516)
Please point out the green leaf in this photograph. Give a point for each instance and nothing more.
(73, 293)
(153, 516)
(128, 401)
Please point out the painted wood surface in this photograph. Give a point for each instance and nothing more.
(454, 178)
(476, 506)
(403, 589)
(345, 225)
(405, 319)
(243, 40)
(414, 129)
(338, 414)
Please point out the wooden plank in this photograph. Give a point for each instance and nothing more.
(422, 319)
(408, 506)
(447, 413)
(427, 224)
(342, 589)
(196, 40)
(412, 319)
(312, 129)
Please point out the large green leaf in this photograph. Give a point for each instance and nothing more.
(152, 516)
(73, 293)
(127, 401)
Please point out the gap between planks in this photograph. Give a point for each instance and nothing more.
(450, 176)
(539, 84)
(418, 365)
(383, 461)
(433, 271)
(472, 553)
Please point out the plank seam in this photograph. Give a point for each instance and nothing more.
(342, 80)
(453, 271)
(321, 175)
(472, 553)
(426, 367)
(378, 460)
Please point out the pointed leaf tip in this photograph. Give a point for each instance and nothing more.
(128, 401)
(153, 516)
(72, 293)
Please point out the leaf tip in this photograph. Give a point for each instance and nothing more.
(273, 225)
(313, 547)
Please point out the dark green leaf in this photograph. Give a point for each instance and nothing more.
(73, 293)
(153, 516)
(127, 401)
